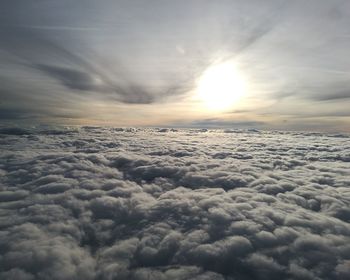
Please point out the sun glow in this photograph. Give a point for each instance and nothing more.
(221, 86)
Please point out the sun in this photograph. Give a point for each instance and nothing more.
(221, 86)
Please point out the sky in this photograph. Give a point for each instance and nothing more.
(143, 63)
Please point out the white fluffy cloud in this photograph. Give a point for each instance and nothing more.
(98, 203)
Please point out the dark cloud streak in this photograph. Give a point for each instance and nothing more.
(38, 51)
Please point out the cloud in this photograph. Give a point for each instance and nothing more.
(69, 77)
(219, 123)
(38, 51)
(69, 70)
(74, 206)
(343, 95)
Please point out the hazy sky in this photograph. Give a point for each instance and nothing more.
(139, 62)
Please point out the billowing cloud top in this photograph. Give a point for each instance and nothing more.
(97, 203)
(137, 62)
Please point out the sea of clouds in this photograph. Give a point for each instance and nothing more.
(107, 203)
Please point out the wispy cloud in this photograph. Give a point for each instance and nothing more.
(88, 54)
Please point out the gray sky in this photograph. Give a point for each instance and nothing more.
(138, 62)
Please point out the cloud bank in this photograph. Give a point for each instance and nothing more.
(106, 203)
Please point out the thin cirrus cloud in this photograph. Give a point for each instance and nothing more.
(74, 55)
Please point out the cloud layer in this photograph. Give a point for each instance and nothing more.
(98, 203)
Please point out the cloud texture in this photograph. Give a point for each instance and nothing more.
(106, 203)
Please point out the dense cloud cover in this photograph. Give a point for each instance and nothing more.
(106, 203)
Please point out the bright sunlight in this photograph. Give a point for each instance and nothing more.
(221, 86)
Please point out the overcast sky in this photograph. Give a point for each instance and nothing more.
(138, 62)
